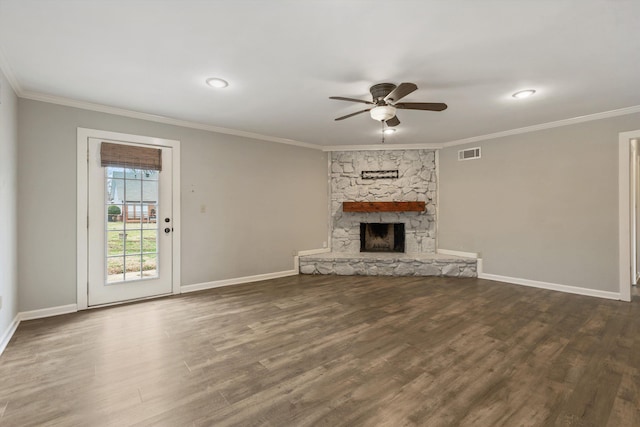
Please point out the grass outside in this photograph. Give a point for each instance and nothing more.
(137, 245)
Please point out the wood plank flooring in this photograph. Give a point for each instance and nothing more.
(332, 351)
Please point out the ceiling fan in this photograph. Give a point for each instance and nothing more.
(385, 102)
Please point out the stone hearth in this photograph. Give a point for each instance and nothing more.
(388, 264)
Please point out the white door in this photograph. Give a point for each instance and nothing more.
(130, 229)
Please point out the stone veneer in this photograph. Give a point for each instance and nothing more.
(416, 182)
(388, 264)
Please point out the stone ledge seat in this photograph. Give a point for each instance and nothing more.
(388, 264)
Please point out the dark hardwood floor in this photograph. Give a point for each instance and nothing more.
(332, 351)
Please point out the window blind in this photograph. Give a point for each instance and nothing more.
(130, 156)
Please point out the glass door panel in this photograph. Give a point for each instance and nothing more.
(129, 254)
(131, 224)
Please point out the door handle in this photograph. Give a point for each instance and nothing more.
(167, 230)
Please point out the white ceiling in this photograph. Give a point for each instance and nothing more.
(284, 58)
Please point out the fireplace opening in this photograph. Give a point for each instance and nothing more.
(381, 237)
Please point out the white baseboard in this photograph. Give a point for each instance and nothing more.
(6, 337)
(34, 314)
(237, 281)
(458, 253)
(48, 312)
(296, 258)
(551, 286)
(314, 251)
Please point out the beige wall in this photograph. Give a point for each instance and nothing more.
(540, 206)
(263, 201)
(8, 203)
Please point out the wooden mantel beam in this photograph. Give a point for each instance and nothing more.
(383, 206)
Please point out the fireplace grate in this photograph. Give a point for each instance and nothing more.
(382, 237)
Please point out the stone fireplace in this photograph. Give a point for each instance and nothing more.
(416, 182)
(381, 237)
(383, 217)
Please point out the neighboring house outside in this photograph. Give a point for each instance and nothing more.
(135, 192)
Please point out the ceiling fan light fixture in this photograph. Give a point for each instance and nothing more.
(217, 82)
(383, 112)
(524, 93)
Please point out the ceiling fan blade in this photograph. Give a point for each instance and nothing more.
(353, 114)
(393, 121)
(429, 106)
(400, 92)
(342, 98)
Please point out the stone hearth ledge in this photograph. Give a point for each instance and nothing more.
(388, 264)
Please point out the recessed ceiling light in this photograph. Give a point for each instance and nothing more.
(389, 131)
(217, 83)
(524, 93)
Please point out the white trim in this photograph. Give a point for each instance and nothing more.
(8, 334)
(624, 209)
(82, 232)
(176, 249)
(237, 281)
(458, 253)
(542, 126)
(111, 304)
(551, 286)
(329, 204)
(314, 251)
(52, 99)
(625, 275)
(31, 315)
(633, 192)
(383, 147)
(48, 312)
(6, 69)
(296, 258)
(548, 125)
(82, 200)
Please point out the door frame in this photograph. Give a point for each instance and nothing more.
(625, 212)
(82, 200)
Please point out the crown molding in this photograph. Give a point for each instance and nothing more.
(517, 131)
(52, 99)
(549, 125)
(9, 74)
(382, 147)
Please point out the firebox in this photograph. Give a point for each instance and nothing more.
(381, 237)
